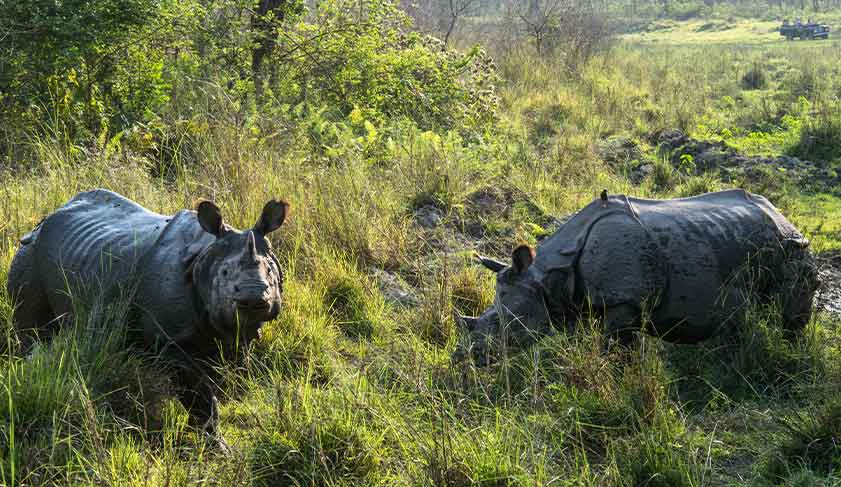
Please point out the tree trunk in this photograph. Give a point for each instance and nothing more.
(264, 22)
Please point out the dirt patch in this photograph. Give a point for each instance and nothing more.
(698, 156)
(828, 297)
(491, 220)
(491, 211)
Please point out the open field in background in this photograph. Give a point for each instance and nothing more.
(746, 32)
(353, 385)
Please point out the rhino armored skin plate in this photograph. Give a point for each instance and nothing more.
(690, 264)
(199, 289)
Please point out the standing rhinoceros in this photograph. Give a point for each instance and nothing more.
(691, 264)
(199, 287)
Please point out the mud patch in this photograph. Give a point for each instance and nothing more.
(692, 156)
(828, 297)
(493, 212)
(491, 220)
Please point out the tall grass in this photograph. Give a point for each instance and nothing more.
(348, 387)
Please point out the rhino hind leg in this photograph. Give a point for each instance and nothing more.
(32, 314)
(797, 286)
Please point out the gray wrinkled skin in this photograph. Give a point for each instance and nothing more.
(690, 265)
(199, 287)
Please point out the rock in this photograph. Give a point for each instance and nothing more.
(618, 151)
(394, 289)
(828, 297)
(639, 173)
(670, 138)
(428, 216)
(711, 156)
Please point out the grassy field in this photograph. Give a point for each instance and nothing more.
(351, 386)
(748, 32)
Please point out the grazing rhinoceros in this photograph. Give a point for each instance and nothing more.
(200, 288)
(690, 264)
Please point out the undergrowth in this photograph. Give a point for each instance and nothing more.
(352, 384)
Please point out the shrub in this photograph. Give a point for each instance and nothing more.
(811, 439)
(387, 72)
(695, 185)
(83, 381)
(755, 78)
(664, 177)
(347, 301)
(656, 459)
(820, 134)
(328, 442)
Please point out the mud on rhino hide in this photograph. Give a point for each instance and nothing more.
(198, 287)
(690, 265)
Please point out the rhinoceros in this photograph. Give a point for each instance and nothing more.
(198, 287)
(690, 265)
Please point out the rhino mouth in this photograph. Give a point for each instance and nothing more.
(258, 311)
(254, 308)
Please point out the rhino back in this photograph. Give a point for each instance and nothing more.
(685, 250)
(711, 234)
(708, 243)
(169, 308)
(96, 239)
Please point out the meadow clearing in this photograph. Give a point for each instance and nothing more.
(393, 185)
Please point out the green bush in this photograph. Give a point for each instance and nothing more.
(387, 72)
(811, 439)
(755, 78)
(331, 445)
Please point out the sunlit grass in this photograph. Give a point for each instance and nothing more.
(347, 387)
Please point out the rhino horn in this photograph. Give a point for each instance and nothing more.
(491, 264)
(252, 247)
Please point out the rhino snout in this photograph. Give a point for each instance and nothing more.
(254, 298)
(259, 303)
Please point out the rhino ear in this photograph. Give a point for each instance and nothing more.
(522, 257)
(273, 216)
(210, 218)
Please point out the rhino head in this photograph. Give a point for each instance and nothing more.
(237, 277)
(519, 315)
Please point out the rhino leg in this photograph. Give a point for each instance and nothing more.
(198, 395)
(620, 323)
(798, 284)
(32, 314)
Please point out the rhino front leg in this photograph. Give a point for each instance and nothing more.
(198, 395)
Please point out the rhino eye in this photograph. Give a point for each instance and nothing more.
(224, 272)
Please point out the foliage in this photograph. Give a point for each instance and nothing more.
(812, 440)
(755, 78)
(369, 65)
(363, 125)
